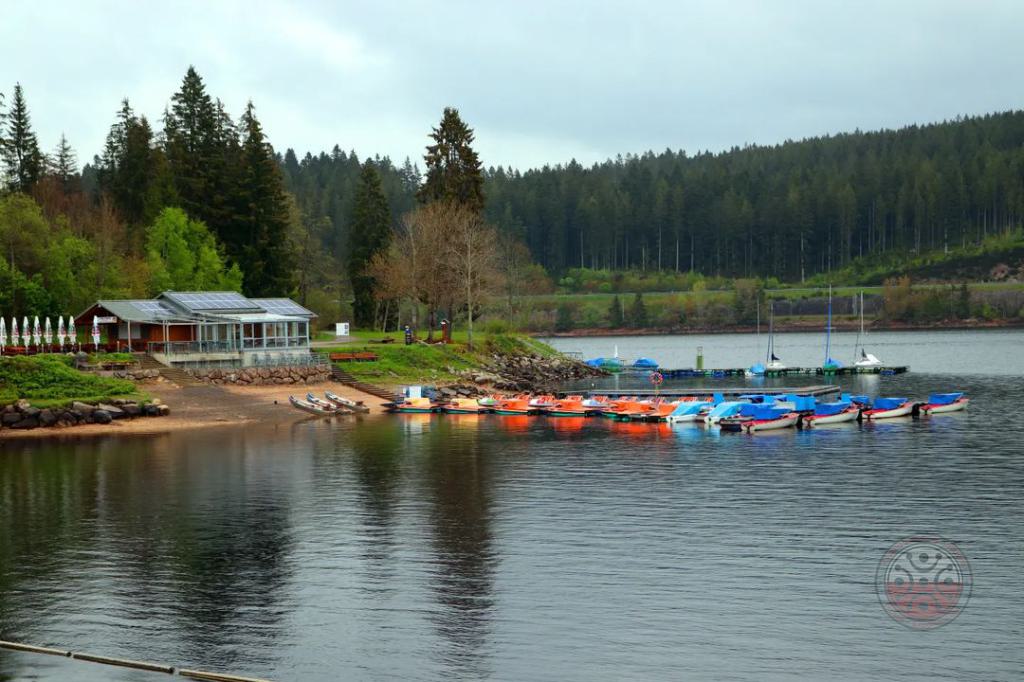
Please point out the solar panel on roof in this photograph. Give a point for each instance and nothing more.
(281, 306)
(214, 301)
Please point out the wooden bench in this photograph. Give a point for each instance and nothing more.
(353, 357)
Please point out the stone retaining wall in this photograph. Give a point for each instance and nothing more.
(21, 415)
(262, 376)
(137, 374)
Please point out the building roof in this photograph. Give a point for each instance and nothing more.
(143, 311)
(196, 306)
(282, 306)
(211, 301)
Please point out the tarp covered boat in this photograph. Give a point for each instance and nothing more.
(831, 413)
(753, 417)
(887, 408)
(944, 402)
(688, 411)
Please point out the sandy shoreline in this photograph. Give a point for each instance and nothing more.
(207, 406)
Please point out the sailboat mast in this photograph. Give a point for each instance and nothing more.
(828, 327)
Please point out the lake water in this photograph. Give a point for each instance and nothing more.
(430, 548)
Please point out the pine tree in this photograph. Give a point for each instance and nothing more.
(133, 171)
(266, 255)
(65, 165)
(369, 235)
(193, 150)
(615, 316)
(638, 312)
(453, 167)
(23, 162)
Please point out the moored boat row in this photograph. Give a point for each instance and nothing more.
(751, 413)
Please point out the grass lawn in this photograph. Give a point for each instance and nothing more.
(427, 364)
(49, 380)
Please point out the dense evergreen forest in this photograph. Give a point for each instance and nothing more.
(199, 199)
(785, 211)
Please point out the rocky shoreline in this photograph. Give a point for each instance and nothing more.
(21, 415)
(531, 373)
(263, 376)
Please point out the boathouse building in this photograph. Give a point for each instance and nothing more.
(205, 327)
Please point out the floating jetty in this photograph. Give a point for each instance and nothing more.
(789, 371)
(708, 391)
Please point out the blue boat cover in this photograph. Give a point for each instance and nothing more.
(944, 398)
(828, 409)
(688, 408)
(860, 399)
(757, 369)
(726, 408)
(758, 411)
(803, 403)
(888, 403)
(595, 362)
(645, 363)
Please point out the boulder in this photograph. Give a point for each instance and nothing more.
(31, 412)
(47, 418)
(101, 416)
(112, 411)
(26, 423)
(10, 418)
(82, 408)
(132, 410)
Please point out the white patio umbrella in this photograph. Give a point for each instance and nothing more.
(95, 331)
(61, 334)
(37, 333)
(72, 332)
(47, 333)
(15, 337)
(3, 335)
(26, 332)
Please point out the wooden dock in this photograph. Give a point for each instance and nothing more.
(789, 371)
(708, 391)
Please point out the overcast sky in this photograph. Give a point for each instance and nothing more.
(541, 82)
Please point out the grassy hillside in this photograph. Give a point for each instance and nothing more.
(47, 380)
(428, 364)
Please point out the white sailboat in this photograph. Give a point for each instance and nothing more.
(772, 362)
(866, 360)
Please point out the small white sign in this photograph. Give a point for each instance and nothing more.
(341, 328)
(106, 320)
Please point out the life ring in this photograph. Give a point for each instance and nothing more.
(657, 378)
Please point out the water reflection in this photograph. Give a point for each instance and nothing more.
(459, 479)
(191, 562)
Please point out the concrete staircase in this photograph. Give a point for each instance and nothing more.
(175, 374)
(343, 377)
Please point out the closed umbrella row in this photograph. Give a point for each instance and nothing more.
(36, 337)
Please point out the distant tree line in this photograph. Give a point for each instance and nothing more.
(788, 211)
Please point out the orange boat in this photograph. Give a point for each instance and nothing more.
(571, 406)
(464, 406)
(623, 409)
(519, 405)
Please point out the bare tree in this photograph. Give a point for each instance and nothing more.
(441, 254)
(474, 254)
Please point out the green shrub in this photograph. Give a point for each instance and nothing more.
(51, 378)
(496, 326)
